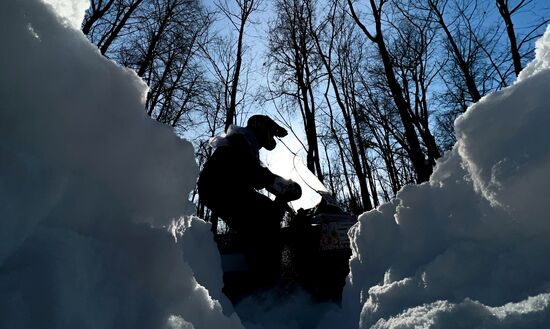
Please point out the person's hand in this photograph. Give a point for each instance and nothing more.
(286, 189)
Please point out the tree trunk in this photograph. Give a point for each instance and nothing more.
(231, 110)
(507, 17)
(96, 14)
(469, 80)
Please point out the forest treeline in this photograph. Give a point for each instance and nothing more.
(373, 85)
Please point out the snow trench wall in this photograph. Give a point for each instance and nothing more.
(88, 188)
(468, 249)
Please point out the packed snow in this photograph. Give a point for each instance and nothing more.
(89, 187)
(95, 229)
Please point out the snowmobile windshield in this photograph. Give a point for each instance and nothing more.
(310, 184)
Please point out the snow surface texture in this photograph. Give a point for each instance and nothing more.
(89, 188)
(468, 249)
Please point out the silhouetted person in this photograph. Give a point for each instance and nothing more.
(228, 185)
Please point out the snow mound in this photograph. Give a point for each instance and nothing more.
(504, 143)
(542, 57)
(90, 187)
(468, 249)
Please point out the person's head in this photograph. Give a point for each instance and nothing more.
(265, 130)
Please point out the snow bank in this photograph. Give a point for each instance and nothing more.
(88, 189)
(282, 308)
(470, 248)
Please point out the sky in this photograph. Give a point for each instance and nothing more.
(96, 233)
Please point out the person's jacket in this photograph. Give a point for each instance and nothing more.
(234, 165)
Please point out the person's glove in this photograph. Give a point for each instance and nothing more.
(285, 189)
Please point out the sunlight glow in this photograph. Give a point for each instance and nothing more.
(288, 163)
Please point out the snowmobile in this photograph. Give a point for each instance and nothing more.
(315, 253)
(316, 248)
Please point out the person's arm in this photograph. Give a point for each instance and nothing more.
(260, 176)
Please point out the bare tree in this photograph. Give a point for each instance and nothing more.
(98, 9)
(295, 69)
(238, 20)
(343, 87)
(463, 54)
(421, 166)
(108, 21)
(160, 40)
(412, 50)
(507, 10)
